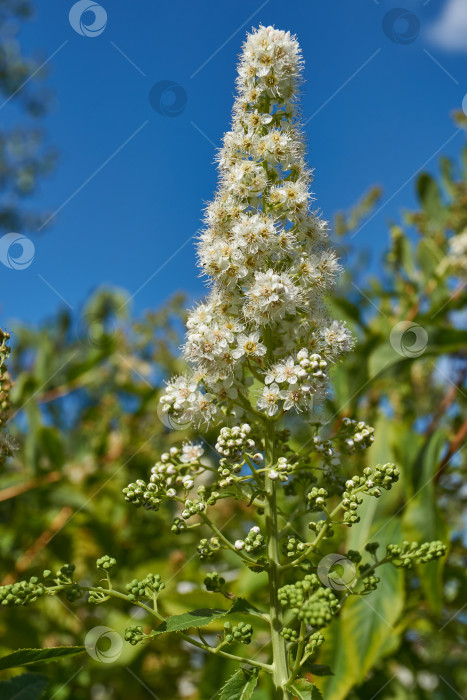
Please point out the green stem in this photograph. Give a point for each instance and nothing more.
(298, 658)
(279, 651)
(224, 539)
(212, 650)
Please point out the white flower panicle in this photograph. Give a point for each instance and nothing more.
(265, 252)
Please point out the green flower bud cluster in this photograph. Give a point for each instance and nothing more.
(357, 434)
(314, 643)
(25, 592)
(354, 556)
(324, 447)
(318, 610)
(372, 548)
(254, 541)
(214, 582)
(207, 548)
(106, 563)
(289, 634)
(178, 526)
(375, 478)
(134, 634)
(292, 547)
(192, 508)
(174, 470)
(318, 526)
(381, 476)
(146, 588)
(139, 494)
(350, 503)
(233, 442)
(370, 583)
(227, 470)
(316, 498)
(63, 575)
(281, 470)
(21, 592)
(239, 634)
(208, 495)
(407, 553)
(309, 601)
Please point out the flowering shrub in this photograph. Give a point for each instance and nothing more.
(260, 349)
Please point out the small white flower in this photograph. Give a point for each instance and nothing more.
(249, 345)
(269, 399)
(272, 474)
(239, 545)
(191, 452)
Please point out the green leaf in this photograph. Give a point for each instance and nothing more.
(304, 690)
(382, 358)
(28, 686)
(427, 461)
(240, 686)
(195, 618)
(422, 520)
(447, 168)
(429, 256)
(24, 657)
(430, 198)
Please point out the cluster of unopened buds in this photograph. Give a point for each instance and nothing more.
(281, 470)
(293, 547)
(253, 542)
(324, 447)
(213, 582)
(408, 553)
(309, 601)
(25, 592)
(375, 478)
(357, 435)
(314, 642)
(233, 442)
(237, 634)
(207, 548)
(148, 587)
(316, 499)
(173, 471)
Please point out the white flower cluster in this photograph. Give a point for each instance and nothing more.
(263, 247)
(457, 255)
(173, 472)
(302, 376)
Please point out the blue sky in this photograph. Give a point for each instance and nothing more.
(131, 183)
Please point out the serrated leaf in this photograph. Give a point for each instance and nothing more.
(28, 686)
(240, 686)
(304, 690)
(195, 618)
(24, 657)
